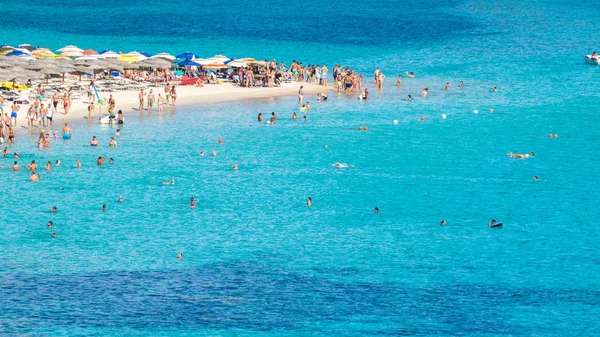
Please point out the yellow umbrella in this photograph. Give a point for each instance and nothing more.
(127, 58)
(2, 53)
(59, 57)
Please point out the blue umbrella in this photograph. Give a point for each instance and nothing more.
(187, 55)
(188, 63)
(146, 54)
(15, 53)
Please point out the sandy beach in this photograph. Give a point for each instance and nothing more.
(186, 95)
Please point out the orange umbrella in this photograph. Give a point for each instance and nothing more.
(215, 65)
(90, 52)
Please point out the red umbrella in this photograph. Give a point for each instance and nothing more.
(90, 52)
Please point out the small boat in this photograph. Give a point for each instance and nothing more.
(592, 59)
(111, 119)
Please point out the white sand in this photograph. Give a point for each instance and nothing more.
(186, 95)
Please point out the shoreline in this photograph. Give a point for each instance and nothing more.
(127, 100)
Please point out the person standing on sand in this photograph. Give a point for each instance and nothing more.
(49, 114)
(324, 72)
(301, 94)
(111, 104)
(90, 109)
(66, 103)
(91, 92)
(141, 97)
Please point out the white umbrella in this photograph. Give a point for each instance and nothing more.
(70, 48)
(72, 53)
(165, 56)
(23, 50)
(220, 58)
(136, 55)
(237, 63)
(108, 55)
(86, 58)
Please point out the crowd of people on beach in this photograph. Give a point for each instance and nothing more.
(346, 81)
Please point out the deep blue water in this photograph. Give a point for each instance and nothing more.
(257, 261)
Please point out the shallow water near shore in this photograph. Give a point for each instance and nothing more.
(258, 261)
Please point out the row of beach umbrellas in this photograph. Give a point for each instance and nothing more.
(27, 62)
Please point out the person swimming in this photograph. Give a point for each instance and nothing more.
(411, 74)
(322, 97)
(50, 224)
(201, 153)
(308, 202)
(364, 95)
(94, 141)
(179, 256)
(376, 210)
(341, 165)
(192, 203)
(521, 155)
(535, 178)
(104, 207)
(408, 98)
(443, 223)
(294, 116)
(172, 182)
(494, 224)
(54, 209)
(235, 166)
(120, 198)
(260, 118)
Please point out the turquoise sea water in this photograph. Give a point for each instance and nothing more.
(257, 261)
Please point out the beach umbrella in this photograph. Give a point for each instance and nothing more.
(237, 63)
(27, 47)
(36, 66)
(14, 60)
(33, 75)
(165, 56)
(220, 58)
(23, 50)
(188, 63)
(86, 58)
(214, 65)
(62, 57)
(71, 53)
(146, 54)
(70, 48)
(156, 63)
(15, 52)
(108, 55)
(137, 55)
(42, 53)
(187, 56)
(131, 66)
(128, 58)
(89, 52)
